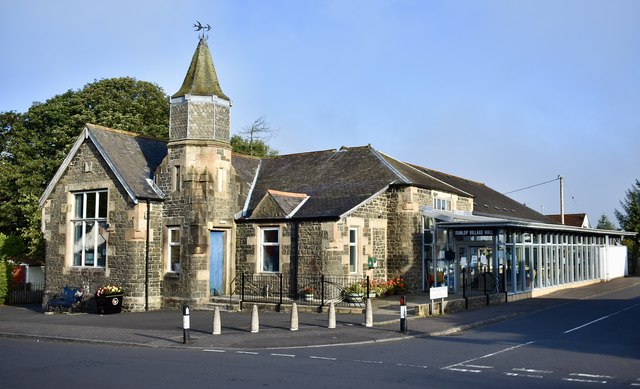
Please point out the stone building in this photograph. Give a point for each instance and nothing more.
(177, 222)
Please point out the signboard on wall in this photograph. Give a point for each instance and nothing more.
(478, 232)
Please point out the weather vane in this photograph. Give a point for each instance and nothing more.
(199, 27)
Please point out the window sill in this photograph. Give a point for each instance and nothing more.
(172, 274)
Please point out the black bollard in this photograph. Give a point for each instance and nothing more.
(185, 324)
(403, 315)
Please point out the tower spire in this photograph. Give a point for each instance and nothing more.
(201, 78)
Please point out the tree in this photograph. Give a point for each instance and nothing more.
(605, 224)
(255, 139)
(629, 220)
(256, 148)
(36, 142)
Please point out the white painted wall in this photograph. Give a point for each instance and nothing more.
(613, 262)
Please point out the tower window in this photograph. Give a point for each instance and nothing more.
(177, 178)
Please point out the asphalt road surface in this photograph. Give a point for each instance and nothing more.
(592, 342)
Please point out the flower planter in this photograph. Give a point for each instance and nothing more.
(109, 304)
(354, 297)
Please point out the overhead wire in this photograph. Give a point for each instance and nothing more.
(531, 186)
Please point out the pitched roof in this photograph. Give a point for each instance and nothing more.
(201, 78)
(281, 205)
(572, 219)
(336, 181)
(133, 159)
(488, 202)
(246, 168)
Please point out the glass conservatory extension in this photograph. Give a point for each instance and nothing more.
(524, 257)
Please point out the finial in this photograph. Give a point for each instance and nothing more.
(199, 27)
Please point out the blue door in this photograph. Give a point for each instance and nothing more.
(216, 250)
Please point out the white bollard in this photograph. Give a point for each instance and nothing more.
(332, 316)
(217, 327)
(368, 314)
(294, 317)
(255, 321)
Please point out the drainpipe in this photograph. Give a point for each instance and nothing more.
(424, 288)
(146, 259)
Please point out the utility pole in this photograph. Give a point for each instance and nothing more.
(561, 199)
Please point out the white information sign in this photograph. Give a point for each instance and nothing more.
(440, 292)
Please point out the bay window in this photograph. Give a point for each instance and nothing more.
(89, 228)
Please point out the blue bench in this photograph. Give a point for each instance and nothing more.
(70, 300)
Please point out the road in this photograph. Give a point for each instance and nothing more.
(592, 342)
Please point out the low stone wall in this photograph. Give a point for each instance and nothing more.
(457, 305)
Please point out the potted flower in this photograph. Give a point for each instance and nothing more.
(109, 299)
(307, 293)
(354, 292)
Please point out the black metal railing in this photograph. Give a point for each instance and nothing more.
(319, 290)
(25, 292)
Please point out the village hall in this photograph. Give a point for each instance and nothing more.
(183, 221)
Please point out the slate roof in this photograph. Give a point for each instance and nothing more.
(201, 78)
(288, 202)
(336, 181)
(246, 168)
(488, 202)
(133, 156)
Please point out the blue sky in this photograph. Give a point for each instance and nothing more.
(509, 93)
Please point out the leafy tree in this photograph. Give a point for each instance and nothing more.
(35, 143)
(629, 220)
(605, 224)
(257, 148)
(254, 141)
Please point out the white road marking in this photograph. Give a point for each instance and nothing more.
(214, 351)
(450, 367)
(522, 375)
(283, 355)
(532, 370)
(479, 366)
(601, 318)
(406, 365)
(323, 358)
(584, 381)
(247, 352)
(364, 361)
(591, 375)
(464, 370)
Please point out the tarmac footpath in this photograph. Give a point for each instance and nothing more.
(163, 329)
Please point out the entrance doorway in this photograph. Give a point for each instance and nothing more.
(216, 262)
(476, 260)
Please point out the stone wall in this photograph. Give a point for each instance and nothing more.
(126, 235)
(248, 246)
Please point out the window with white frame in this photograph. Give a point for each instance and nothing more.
(89, 223)
(270, 249)
(353, 250)
(173, 248)
(442, 204)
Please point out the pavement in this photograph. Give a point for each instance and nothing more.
(164, 328)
